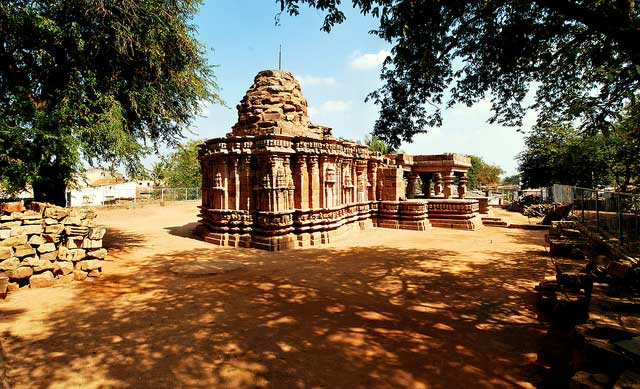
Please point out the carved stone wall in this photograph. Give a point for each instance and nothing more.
(277, 181)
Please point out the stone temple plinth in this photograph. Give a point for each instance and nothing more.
(277, 181)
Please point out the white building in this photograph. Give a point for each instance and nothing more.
(100, 195)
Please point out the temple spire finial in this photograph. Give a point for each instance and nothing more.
(280, 58)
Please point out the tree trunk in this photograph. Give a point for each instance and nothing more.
(51, 184)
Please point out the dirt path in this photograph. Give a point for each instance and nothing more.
(382, 309)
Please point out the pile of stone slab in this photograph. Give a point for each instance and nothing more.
(43, 244)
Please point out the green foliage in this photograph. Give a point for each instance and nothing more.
(376, 144)
(512, 180)
(582, 56)
(561, 154)
(104, 82)
(181, 169)
(482, 173)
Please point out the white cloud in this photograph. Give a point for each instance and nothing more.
(368, 61)
(312, 110)
(316, 81)
(335, 106)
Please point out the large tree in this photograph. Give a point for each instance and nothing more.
(94, 81)
(181, 168)
(482, 173)
(581, 54)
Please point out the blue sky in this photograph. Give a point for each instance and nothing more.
(336, 70)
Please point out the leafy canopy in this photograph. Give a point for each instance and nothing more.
(561, 154)
(96, 81)
(482, 173)
(181, 168)
(581, 54)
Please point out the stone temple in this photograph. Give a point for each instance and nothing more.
(277, 181)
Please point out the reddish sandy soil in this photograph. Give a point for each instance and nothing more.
(377, 309)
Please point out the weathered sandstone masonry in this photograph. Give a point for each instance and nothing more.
(277, 181)
(45, 244)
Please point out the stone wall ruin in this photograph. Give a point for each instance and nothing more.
(45, 244)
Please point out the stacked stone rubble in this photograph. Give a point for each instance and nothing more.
(45, 244)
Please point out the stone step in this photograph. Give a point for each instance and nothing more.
(495, 223)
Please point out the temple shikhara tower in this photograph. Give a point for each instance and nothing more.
(277, 181)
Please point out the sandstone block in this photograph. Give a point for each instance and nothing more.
(65, 278)
(31, 222)
(74, 242)
(44, 265)
(22, 272)
(96, 233)
(38, 206)
(10, 207)
(56, 212)
(5, 252)
(97, 253)
(54, 229)
(28, 215)
(46, 248)
(88, 223)
(14, 241)
(13, 286)
(94, 273)
(50, 221)
(5, 233)
(91, 244)
(76, 230)
(31, 261)
(51, 238)
(36, 240)
(9, 264)
(42, 280)
(71, 221)
(9, 224)
(17, 231)
(63, 253)
(24, 250)
(79, 275)
(91, 264)
(76, 255)
(50, 256)
(31, 229)
(64, 267)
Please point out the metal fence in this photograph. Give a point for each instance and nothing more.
(177, 194)
(113, 195)
(615, 213)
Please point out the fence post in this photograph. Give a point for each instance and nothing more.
(185, 193)
(619, 219)
(582, 203)
(597, 211)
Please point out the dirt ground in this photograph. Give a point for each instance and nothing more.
(378, 309)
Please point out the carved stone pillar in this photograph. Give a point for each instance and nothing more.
(437, 184)
(411, 185)
(322, 189)
(302, 183)
(447, 181)
(235, 176)
(246, 189)
(462, 185)
(426, 184)
(225, 183)
(314, 182)
(373, 180)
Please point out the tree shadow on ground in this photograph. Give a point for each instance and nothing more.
(330, 317)
(121, 241)
(185, 231)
